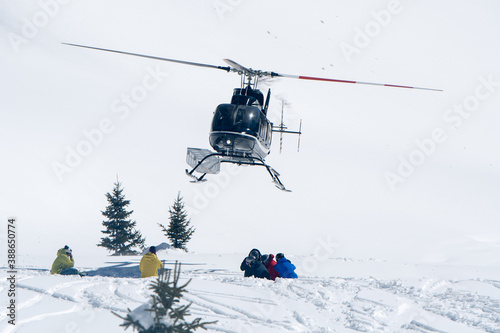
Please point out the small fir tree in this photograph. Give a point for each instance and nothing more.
(120, 230)
(179, 232)
(160, 315)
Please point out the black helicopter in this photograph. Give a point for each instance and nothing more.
(240, 132)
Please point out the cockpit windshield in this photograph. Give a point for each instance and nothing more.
(236, 118)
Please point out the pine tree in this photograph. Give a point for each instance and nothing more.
(122, 235)
(160, 315)
(179, 232)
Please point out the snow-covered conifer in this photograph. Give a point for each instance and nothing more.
(122, 236)
(179, 232)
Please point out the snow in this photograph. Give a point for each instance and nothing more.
(72, 106)
(341, 295)
(419, 254)
(143, 316)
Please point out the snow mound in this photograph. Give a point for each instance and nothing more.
(162, 247)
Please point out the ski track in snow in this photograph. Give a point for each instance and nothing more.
(366, 305)
(306, 304)
(78, 294)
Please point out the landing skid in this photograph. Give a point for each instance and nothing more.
(223, 158)
(195, 179)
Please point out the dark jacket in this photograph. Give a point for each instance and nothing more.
(253, 267)
(285, 269)
(259, 270)
(246, 267)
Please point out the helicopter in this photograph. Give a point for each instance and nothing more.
(241, 132)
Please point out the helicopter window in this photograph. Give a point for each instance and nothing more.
(269, 132)
(239, 116)
(263, 131)
(252, 101)
(257, 94)
(241, 119)
(246, 121)
(266, 133)
(239, 100)
(223, 118)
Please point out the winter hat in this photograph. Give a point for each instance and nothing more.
(265, 258)
(152, 249)
(255, 253)
(279, 256)
(68, 250)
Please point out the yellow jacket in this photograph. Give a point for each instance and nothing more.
(62, 262)
(149, 265)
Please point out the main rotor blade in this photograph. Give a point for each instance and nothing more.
(234, 66)
(347, 81)
(153, 57)
(239, 67)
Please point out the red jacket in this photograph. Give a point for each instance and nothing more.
(270, 267)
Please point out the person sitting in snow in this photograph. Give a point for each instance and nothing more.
(257, 268)
(269, 262)
(284, 267)
(64, 262)
(254, 253)
(150, 264)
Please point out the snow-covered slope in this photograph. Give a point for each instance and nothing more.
(73, 119)
(331, 295)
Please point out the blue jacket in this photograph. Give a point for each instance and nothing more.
(285, 269)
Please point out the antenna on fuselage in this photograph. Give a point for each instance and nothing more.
(281, 128)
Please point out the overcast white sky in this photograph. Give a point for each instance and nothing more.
(71, 120)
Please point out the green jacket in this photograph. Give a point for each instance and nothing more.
(62, 262)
